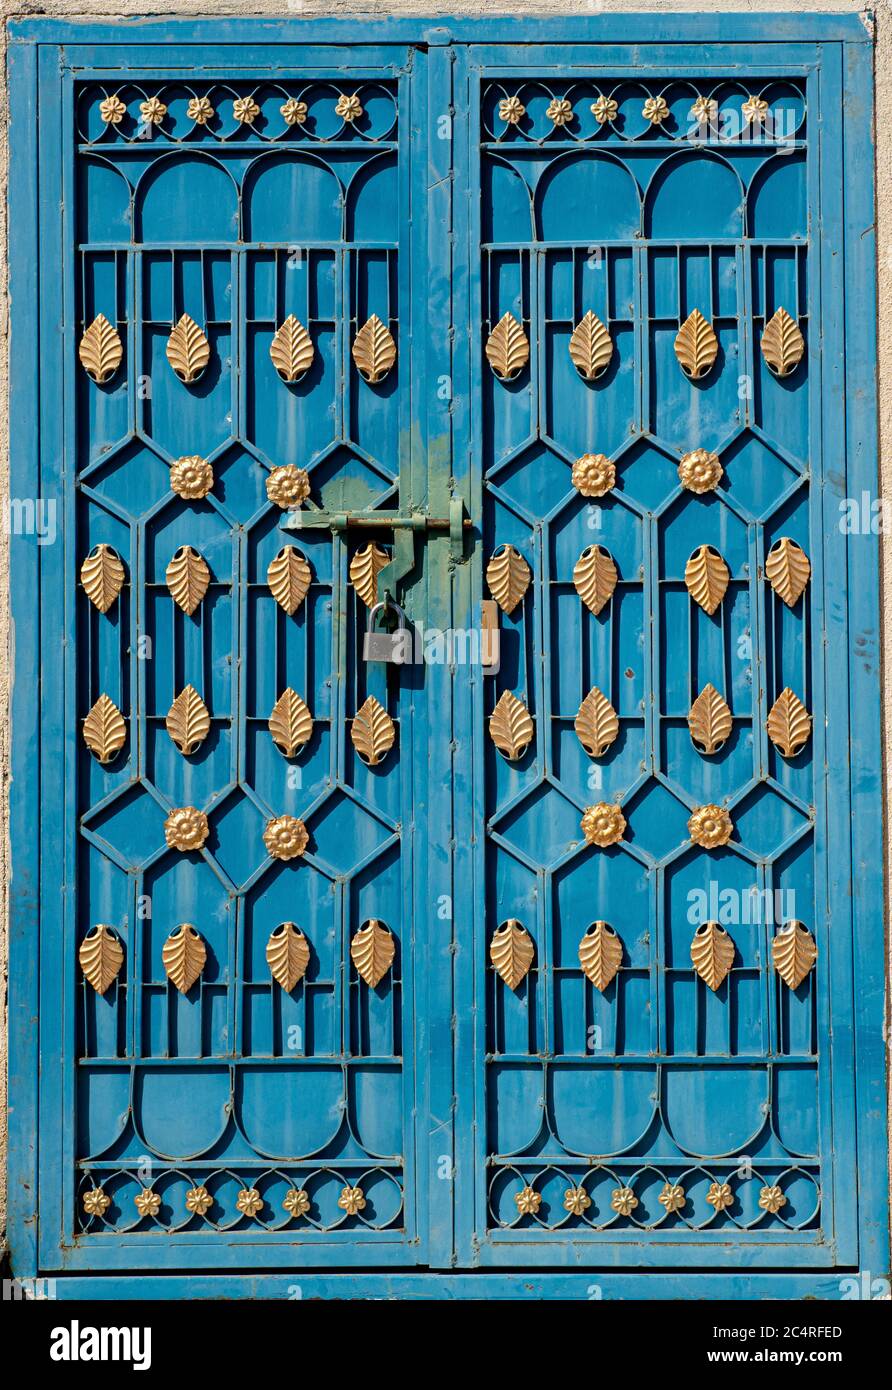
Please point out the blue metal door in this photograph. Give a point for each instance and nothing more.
(537, 962)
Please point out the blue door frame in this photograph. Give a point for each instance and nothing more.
(442, 71)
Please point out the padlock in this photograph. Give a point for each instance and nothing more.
(387, 646)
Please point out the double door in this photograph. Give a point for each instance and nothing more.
(522, 952)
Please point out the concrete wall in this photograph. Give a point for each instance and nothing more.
(881, 19)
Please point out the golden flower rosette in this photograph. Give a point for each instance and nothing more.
(603, 824)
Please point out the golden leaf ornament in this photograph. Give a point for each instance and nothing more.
(372, 951)
(287, 955)
(696, 346)
(291, 349)
(188, 350)
(101, 350)
(511, 951)
(374, 350)
(596, 723)
(591, 347)
(365, 567)
(507, 348)
(372, 732)
(709, 720)
(184, 956)
(188, 721)
(600, 954)
(594, 577)
(788, 723)
(187, 578)
(783, 346)
(511, 726)
(102, 575)
(712, 953)
(787, 570)
(100, 956)
(603, 824)
(288, 578)
(508, 576)
(105, 730)
(290, 723)
(706, 578)
(285, 837)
